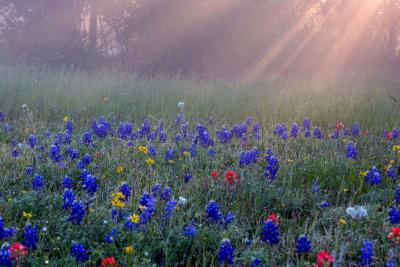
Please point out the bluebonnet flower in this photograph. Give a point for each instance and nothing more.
(373, 176)
(224, 136)
(113, 235)
(255, 262)
(86, 159)
(355, 130)
(117, 214)
(47, 134)
(145, 128)
(156, 190)
(294, 131)
(87, 138)
(149, 203)
(303, 244)
(351, 151)
(315, 188)
(335, 134)
(144, 200)
(166, 194)
(68, 198)
(187, 177)
(29, 170)
(5, 232)
(15, 153)
(67, 138)
(14, 142)
(101, 127)
(213, 211)
(32, 141)
(79, 252)
(397, 195)
(54, 152)
(317, 133)
(367, 252)
(1, 116)
(391, 262)
(211, 152)
(280, 129)
(229, 218)
(306, 123)
(272, 168)
(204, 136)
(90, 184)
(151, 150)
(239, 130)
(72, 153)
(192, 150)
(31, 236)
(69, 126)
(307, 133)
(226, 252)
(392, 172)
(5, 257)
(85, 173)
(163, 137)
(347, 132)
(257, 131)
(37, 182)
(169, 154)
(125, 130)
(77, 212)
(394, 215)
(152, 136)
(395, 134)
(126, 189)
(325, 204)
(169, 209)
(249, 157)
(68, 182)
(189, 231)
(270, 233)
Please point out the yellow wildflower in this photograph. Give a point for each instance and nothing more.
(396, 148)
(134, 218)
(186, 154)
(143, 149)
(128, 250)
(120, 169)
(27, 215)
(27, 130)
(171, 161)
(363, 174)
(346, 190)
(342, 221)
(142, 208)
(118, 199)
(150, 161)
(65, 118)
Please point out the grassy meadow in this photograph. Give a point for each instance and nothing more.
(200, 184)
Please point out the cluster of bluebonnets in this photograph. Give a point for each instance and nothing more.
(113, 194)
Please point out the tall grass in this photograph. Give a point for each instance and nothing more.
(56, 93)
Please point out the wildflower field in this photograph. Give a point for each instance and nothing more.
(106, 169)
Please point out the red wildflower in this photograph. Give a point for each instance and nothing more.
(324, 258)
(109, 262)
(339, 126)
(274, 218)
(394, 235)
(366, 133)
(389, 135)
(214, 174)
(17, 251)
(231, 177)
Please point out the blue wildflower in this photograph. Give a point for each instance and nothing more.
(224, 136)
(125, 130)
(392, 172)
(213, 211)
(37, 182)
(32, 141)
(86, 159)
(90, 184)
(169, 209)
(31, 236)
(187, 177)
(325, 204)
(397, 194)
(394, 215)
(29, 170)
(79, 252)
(303, 244)
(270, 233)
(355, 130)
(126, 189)
(77, 212)
(367, 252)
(5, 232)
(318, 133)
(113, 235)
(315, 188)
(68, 182)
(5, 257)
(69, 126)
(373, 176)
(255, 262)
(294, 131)
(351, 151)
(87, 138)
(249, 157)
(272, 168)
(226, 252)
(68, 198)
(229, 218)
(166, 194)
(101, 127)
(204, 136)
(307, 123)
(257, 131)
(335, 134)
(189, 231)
